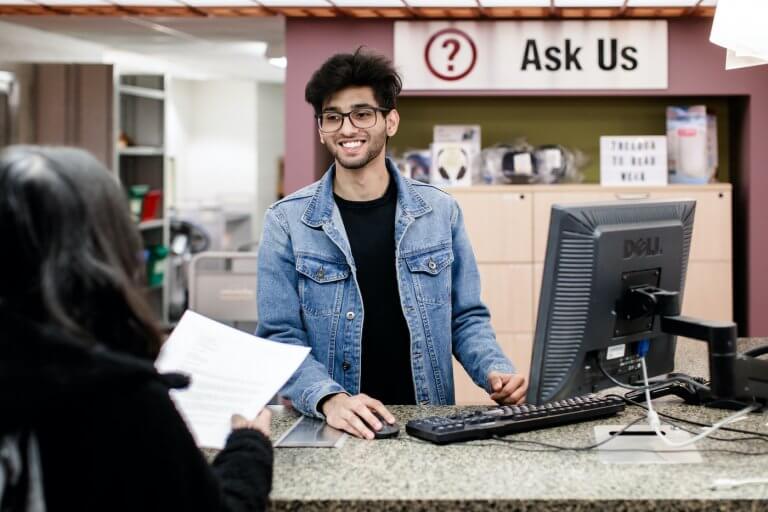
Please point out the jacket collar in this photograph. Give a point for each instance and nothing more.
(320, 208)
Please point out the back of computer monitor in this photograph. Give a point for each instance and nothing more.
(595, 253)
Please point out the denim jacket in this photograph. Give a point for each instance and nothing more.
(308, 293)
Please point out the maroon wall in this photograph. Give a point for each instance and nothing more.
(696, 67)
(308, 43)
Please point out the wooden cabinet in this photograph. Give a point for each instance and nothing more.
(498, 223)
(509, 226)
(516, 345)
(73, 106)
(506, 289)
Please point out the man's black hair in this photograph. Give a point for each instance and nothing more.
(354, 69)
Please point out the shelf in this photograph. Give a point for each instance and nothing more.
(141, 151)
(151, 224)
(142, 92)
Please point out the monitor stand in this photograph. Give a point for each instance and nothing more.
(736, 380)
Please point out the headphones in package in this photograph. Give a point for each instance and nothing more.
(452, 163)
(551, 162)
(517, 165)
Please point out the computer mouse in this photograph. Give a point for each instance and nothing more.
(387, 430)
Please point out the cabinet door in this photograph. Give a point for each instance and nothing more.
(498, 224)
(517, 346)
(542, 206)
(538, 274)
(708, 291)
(711, 224)
(506, 289)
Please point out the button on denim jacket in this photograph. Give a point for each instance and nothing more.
(308, 293)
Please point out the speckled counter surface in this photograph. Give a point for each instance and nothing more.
(405, 473)
(408, 474)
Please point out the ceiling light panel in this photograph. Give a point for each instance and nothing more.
(221, 3)
(589, 3)
(150, 3)
(514, 3)
(442, 3)
(295, 3)
(17, 2)
(75, 2)
(368, 3)
(661, 3)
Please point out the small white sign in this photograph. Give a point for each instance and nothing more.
(633, 160)
(514, 55)
(615, 351)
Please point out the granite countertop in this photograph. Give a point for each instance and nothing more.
(691, 355)
(409, 474)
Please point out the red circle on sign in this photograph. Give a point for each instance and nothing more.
(459, 33)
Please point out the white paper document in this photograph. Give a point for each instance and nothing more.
(231, 371)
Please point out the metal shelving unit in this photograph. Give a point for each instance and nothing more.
(140, 159)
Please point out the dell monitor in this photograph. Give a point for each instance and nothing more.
(598, 256)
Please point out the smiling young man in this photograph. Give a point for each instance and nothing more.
(372, 271)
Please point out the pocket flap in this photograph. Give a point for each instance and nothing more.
(321, 271)
(431, 261)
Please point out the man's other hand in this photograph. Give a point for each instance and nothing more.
(354, 414)
(507, 388)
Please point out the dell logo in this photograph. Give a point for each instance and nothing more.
(642, 247)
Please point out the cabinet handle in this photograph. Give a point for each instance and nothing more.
(640, 195)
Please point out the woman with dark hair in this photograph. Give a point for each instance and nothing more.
(86, 422)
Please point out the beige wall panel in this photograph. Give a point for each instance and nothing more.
(708, 291)
(517, 346)
(506, 290)
(711, 224)
(538, 274)
(498, 223)
(542, 205)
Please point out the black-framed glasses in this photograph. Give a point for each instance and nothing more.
(363, 117)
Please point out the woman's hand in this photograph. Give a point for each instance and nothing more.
(262, 422)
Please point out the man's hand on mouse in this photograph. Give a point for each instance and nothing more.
(354, 414)
(507, 388)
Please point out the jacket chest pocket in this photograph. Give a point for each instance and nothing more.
(431, 272)
(321, 284)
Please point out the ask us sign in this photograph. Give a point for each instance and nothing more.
(509, 55)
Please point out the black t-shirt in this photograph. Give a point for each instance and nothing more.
(386, 346)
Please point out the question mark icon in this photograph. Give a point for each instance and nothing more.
(456, 45)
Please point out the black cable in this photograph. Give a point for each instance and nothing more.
(573, 448)
(678, 425)
(690, 422)
(757, 351)
(679, 378)
(553, 448)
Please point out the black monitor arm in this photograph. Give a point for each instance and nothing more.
(734, 378)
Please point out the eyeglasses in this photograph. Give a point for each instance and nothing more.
(364, 117)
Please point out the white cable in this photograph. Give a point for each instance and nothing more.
(655, 423)
(728, 483)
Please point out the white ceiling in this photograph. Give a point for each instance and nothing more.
(225, 46)
(237, 46)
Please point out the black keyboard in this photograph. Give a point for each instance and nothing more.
(511, 419)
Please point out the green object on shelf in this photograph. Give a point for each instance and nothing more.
(136, 195)
(156, 265)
